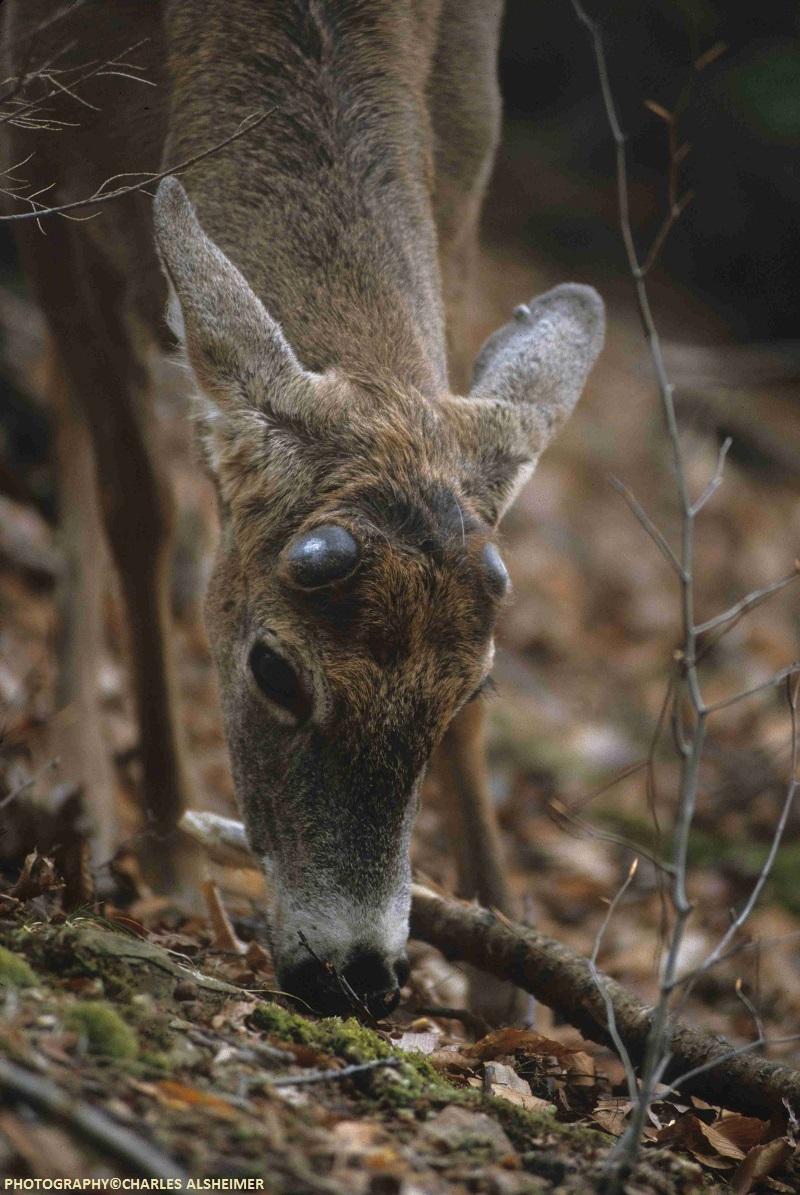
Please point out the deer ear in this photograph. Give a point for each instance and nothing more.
(527, 379)
(237, 351)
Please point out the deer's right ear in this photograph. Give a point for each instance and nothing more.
(238, 353)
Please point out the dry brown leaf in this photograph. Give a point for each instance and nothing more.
(720, 1142)
(38, 876)
(258, 959)
(761, 1162)
(743, 1131)
(516, 1041)
(451, 1061)
(689, 1133)
(612, 1114)
(581, 1070)
(225, 937)
(179, 1095)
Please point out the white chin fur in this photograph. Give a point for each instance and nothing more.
(335, 927)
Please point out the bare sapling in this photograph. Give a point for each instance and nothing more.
(690, 711)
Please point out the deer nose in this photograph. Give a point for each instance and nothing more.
(367, 982)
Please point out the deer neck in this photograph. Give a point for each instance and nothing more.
(326, 208)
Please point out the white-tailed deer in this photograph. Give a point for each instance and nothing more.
(357, 581)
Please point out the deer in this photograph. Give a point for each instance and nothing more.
(316, 275)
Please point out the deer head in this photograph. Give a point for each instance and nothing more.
(356, 587)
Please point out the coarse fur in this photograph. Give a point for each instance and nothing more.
(309, 267)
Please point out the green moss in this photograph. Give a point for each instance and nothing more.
(412, 1079)
(15, 972)
(347, 1039)
(103, 1030)
(288, 1026)
(526, 1128)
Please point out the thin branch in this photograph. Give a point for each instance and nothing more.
(784, 674)
(598, 835)
(641, 514)
(247, 126)
(747, 603)
(334, 1076)
(602, 987)
(742, 996)
(689, 1076)
(670, 220)
(739, 920)
(716, 480)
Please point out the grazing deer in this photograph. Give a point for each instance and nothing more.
(357, 580)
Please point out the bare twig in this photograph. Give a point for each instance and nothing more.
(775, 680)
(592, 831)
(716, 481)
(148, 179)
(744, 999)
(739, 920)
(352, 998)
(747, 603)
(690, 711)
(334, 1076)
(655, 534)
(611, 1018)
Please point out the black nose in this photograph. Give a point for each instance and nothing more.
(366, 981)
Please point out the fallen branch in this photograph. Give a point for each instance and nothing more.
(707, 1065)
(563, 980)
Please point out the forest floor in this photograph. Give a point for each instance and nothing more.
(125, 1008)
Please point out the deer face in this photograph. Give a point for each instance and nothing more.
(357, 583)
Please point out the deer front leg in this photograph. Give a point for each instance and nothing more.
(75, 734)
(474, 836)
(469, 813)
(137, 506)
(105, 372)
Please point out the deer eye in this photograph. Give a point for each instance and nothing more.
(278, 681)
(322, 556)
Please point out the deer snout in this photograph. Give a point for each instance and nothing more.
(366, 982)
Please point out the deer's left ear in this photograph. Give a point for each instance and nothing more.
(527, 379)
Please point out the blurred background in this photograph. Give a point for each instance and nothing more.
(586, 648)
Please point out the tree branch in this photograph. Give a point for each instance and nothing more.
(721, 1074)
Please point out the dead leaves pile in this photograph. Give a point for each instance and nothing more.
(751, 1153)
(540, 1074)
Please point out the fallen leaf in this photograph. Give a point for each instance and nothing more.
(516, 1041)
(761, 1162)
(179, 1095)
(580, 1069)
(742, 1131)
(612, 1114)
